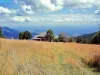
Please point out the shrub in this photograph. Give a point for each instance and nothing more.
(62, 37)
(56, 40)
(85, 41)
(81, 40)
(95, 63)
(70, 39)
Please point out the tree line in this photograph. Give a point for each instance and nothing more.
(50, 37)
(95, 39)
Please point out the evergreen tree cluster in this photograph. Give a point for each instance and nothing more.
(25, 35)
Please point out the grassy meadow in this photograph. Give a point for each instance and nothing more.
(44, 58)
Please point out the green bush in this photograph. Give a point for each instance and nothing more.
(62, 37)
(83, 41)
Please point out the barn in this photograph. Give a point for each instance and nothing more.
(40, 37)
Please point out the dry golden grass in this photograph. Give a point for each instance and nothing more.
(43, 58)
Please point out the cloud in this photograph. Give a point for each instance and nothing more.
(27, 9)
(56, 5)
(43, 5)
(48, 6)
(7, 11)
(51, 20)
(75, 19)
(58, 19)
(21, 19)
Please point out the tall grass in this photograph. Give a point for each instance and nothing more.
(43, 58)
(94, 62)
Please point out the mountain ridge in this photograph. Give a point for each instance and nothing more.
(12, 33)
(88, 36)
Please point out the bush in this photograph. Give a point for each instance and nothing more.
(62, 37)
(85, 41)
(70, 39)
(95, 63)
(56, 40)
(81, 40)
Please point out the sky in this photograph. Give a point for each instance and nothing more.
(50, 13)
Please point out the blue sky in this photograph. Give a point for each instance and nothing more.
(49, 12)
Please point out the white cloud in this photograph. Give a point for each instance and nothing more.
(44, 5)
(75, 19)
(55, 5)
(69, 19)
(27, 9)
(6, 10)
(49, 6)
(21, 19)
(59, 19)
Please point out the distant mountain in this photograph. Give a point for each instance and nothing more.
(69, 31)
(88, 36)
(10, 33)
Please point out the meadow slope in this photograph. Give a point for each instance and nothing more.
(44, 58)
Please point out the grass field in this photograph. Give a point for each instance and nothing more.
(43, 58)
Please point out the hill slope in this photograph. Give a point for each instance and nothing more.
(10, 33)
(88, 36)
(43, 58)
